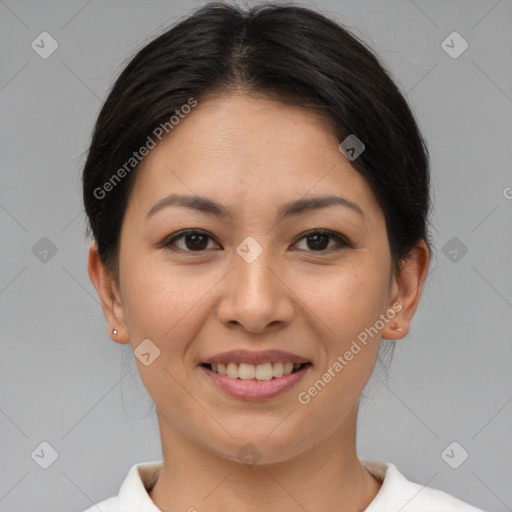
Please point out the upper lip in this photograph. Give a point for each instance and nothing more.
(246, 356)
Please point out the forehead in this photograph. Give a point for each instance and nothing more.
(245, 149)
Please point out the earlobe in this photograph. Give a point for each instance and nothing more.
(406, 290)
(109, 296)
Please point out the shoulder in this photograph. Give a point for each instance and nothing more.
(399, 493)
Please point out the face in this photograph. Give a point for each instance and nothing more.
(258, 284)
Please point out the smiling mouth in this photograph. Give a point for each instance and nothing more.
(262, 372)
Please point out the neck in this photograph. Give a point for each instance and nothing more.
(328, 476)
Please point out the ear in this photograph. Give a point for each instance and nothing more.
(406, 289)
(109, 295)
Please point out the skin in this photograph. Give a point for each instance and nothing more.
(252, 155)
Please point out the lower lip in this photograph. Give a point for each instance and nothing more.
(255, 389)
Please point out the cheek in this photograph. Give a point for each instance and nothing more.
(346, 309)
(346, 301)
(163, 304)
(160, 298)
(168, 305)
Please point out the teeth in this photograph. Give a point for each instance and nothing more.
(232, 370)
(263, 371)
(246, 371)
(277, 370)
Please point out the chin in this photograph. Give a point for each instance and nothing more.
(258, 447)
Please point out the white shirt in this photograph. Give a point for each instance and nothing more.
(396, 493)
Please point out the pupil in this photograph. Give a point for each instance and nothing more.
(195, 238)
(315, 237)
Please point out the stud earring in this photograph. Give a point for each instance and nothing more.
(114, 331)
(397, 328)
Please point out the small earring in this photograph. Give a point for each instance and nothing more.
(114, 331)
(397, 328)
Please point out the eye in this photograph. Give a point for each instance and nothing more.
(317, 240)
(195, 240)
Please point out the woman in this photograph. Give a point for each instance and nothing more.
(258, 193)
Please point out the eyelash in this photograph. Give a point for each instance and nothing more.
(342, 242)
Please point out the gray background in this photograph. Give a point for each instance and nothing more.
(64, 382)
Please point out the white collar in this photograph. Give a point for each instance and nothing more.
(396, 492)
(133, 494)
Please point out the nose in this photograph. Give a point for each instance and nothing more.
(255, 295)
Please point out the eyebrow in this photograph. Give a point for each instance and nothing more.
(293, 208)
